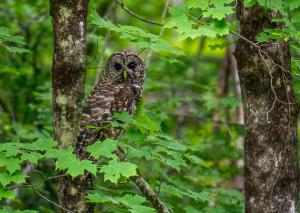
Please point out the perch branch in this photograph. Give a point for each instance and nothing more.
(145, 187)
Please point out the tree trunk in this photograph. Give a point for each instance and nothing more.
(271, 168)
(68, 74)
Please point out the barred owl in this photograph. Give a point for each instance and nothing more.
(118, 90)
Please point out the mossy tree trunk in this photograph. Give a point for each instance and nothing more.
(69, 18)
(271, 168)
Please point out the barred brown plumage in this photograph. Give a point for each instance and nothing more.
(118, 90)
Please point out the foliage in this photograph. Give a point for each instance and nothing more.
(6, 38)
(141, 38)
(132, 202)
(210, 20)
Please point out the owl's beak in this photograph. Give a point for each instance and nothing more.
(125, 74)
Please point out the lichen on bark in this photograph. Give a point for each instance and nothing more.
(69, 19)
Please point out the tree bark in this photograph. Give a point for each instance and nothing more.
(271, 168)
(69, 19)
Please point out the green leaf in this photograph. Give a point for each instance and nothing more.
(296, 18)
(17, 40)
(182, 24)
(205, 30)
(219, 27)
(7, 194)
(40, 144)
(124, 117)
(10, 149)
(17, 177)
(131, 200)
(202, 4)
(218, 3)
(134, 203)
(114, 170)
(32, 157)
(159, 46)
(11, 164)
(139, 209)
(103, 148)
(293, 4)
(215, 209)
(250, 3)
(4, 33)
(16, 49)
(97, 20)
(217, 12)
(273, 4)
(176, 163)
(7, 38)
(145, 123)
(66, 160)
(195, 159)
(191, 209)
(270, 34)
(197, 196)
(101, 198)
(178, 10)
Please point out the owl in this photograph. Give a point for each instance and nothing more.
(118, 90)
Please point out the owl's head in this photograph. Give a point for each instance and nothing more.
(126, 66)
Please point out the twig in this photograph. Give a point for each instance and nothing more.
(32, 186)
(145, 187)
(163, 16)
(37, 184)
(50, 201)
(136, 15)
(244, 38)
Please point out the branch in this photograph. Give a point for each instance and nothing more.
(145, 187)
(120, 2)
(33, 187)
(50, 201)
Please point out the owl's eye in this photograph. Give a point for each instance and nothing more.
(131, 65)
(118, 66)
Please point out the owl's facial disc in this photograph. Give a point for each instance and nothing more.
(126, 66)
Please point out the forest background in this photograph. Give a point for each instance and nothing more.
(188, 137)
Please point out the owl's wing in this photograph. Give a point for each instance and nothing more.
(102, 103)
